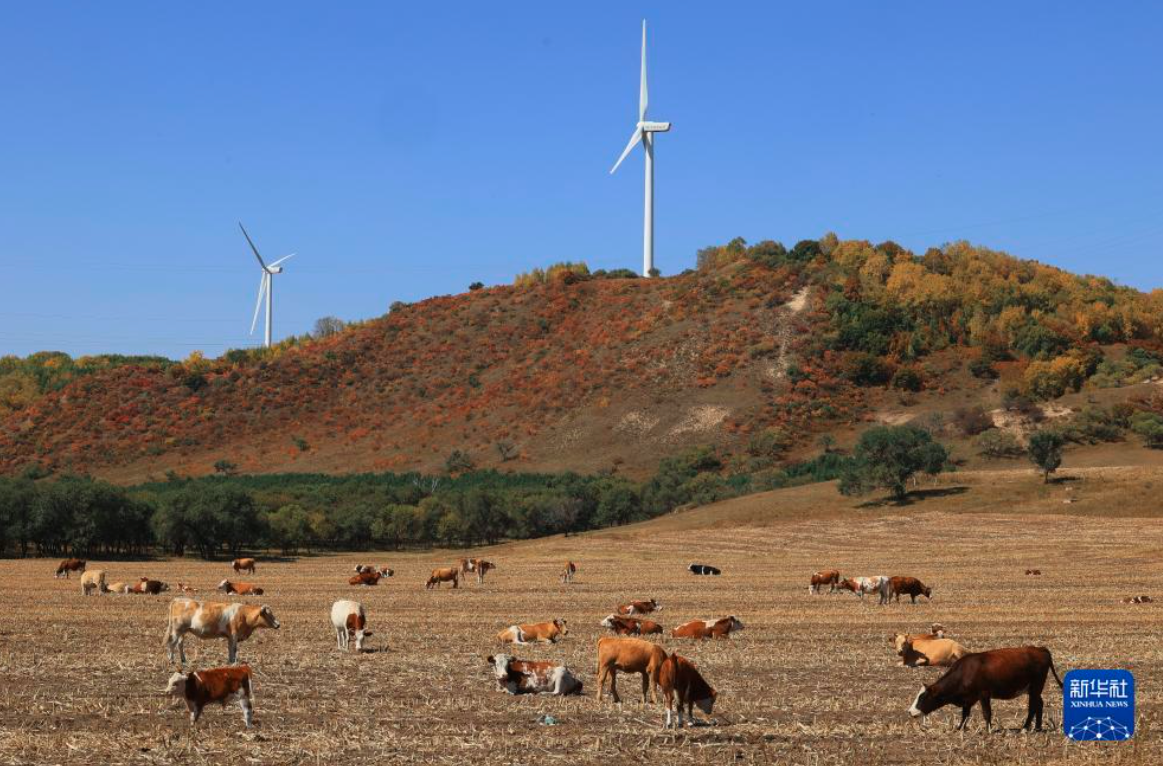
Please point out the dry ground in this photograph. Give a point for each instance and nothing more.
(811, 680)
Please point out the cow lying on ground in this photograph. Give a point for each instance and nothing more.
(239, 588)
(569, 571)
(150, 587)
(524, 677)
(93, 580)
(220, 685)
(934, 649)
(985, 676)
(862, 585)
(70, 565)
(704, 569)
(1137, 600)
(243, 565)
(829, 577)
(1033, 572)
(541, 632)
(447, 574)
(630, 626)
(120, 588)
(910, 586)
(369, 576)
(629, 655)
(637, 608)
(349, 620)
(188, 590)
(209, 619)
(720, 628)
(678, 678)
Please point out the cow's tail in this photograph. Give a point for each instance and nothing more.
(1055, 672)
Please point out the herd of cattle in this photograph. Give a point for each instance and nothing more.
(972, 678)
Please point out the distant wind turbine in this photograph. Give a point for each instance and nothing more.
(265, 285)
(644, 131)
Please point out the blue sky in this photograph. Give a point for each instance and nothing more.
(406, 151)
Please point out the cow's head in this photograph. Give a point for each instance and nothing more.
(733, 623)
(655, 605)
(225, 586)
(267, 617)
(560, 625)
(901, 641)
(937, 629)
(177, 685)
(500, 664)
(925, 703)
(927, 591)
(163, 587)
(610, 621)
(385, 572)
(707, 704)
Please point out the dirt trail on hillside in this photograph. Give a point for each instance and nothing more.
(783, 331)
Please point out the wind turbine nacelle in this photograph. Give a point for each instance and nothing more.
(654, 127)
(274, 269)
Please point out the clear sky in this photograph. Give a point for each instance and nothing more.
(406, 150)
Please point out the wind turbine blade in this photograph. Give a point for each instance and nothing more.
(634, 139)
(252, 247)
(262, 288)
(643, 98)
(285, 257)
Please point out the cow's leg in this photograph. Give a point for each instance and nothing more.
(965, 711)
(247, 709)
(613, 676)
(987, 712)
(601, 680)
(195, 711)
(1034, 713)
(231, 651)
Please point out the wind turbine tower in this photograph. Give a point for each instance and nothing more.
(265, 286)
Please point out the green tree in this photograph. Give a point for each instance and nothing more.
(1045, 451)
(886, 457)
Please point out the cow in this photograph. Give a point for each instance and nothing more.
(720, 628)
(368, 577)
(704, 569)
(70, 565)
(909, 586)
(94, 579)
(985, 676)
(636, 608)
(120, 588)
(349, 619)
(862, 585)
(243, 565)
(542, 632)
(239, 588)
(931, 649)
(220, 685)
(679, 678)
(446, 574)
(187, 589)
(629, 655)
(1138, 600)
(524, 677)
(829, 577)
(630, 626)
(148, 586)
(482, 567)
(1033, 572)
(209, 619)
(569, 571)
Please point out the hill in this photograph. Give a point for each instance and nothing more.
(757, 352)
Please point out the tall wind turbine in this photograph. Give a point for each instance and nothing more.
(265, 285)
(644, 131)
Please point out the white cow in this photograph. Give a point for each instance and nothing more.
(348, 618)
(209, 619)
(861, 585)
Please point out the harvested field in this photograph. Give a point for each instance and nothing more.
(811, 680)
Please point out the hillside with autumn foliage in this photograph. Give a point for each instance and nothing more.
(760, 352)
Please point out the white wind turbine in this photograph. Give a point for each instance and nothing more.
(644, 131)
(265, 285)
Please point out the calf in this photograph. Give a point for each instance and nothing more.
(910, 586)
(721, 628)
(569, 571)
(862, 585)
(630, 626)
(220, 685)
(928, 649)
(541, 632)
(629, 655)
(243, 565)
(1033, 572)
(524, 677)
(349, 619)
(679, 678)
(829, 577)
(1137, 600)
(239, 588)
(93, 580)
(982, 677)
(70, 565)
(148, 586)
(447, 574)
(635, 608)
(704, 569)
(208, 619)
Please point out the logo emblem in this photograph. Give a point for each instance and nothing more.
(1098, 705)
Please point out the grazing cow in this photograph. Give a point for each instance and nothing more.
(148, 586)
(239, 588)
(70, 565)
(704, 569)
(188, 590)
(829, 577)
(862, 585)
(928, 649)
(1033, 572)
(220, 685)
(910, 586)
(984, 676)
(721, 628)
(569, 571)
(630, 626)
(446, 574)
(679, 678)
(243, 565)
(1137, 600)
(629, 655)
(349, 619)
(636, 608)
(543, 632)
(92, 580)
(209, 619)
(120, 587)
(525, 677)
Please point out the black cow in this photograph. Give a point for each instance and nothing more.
(704, 569)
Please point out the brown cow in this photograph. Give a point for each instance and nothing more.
(569, 571)
(629, 655)
(1137, 600)
(678, 677)
(366, 577)
(721, 628)
(243, 565)
(635, 608)
(630, 626)
(207, 619)
(542, 632)
(928, 648)
(70, 565)
(984, 676)
(239, 588)
(482, 568)
(150, 587)
(1034, 572)
(910, 586)
(220, 685)
(446, 574)
(829, 577)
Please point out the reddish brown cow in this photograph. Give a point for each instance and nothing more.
(150, 587)
(984, 676)
(239, 588)
(243, 565)
(1034, 572)
(70, 565)
(630, 626)
(678, 677)
(365, 577)
(219, 685)
(635, 608)
(629, 655)
(569, 571)
(910, 586)
(829, 577)
(721, 628)
(445, 574)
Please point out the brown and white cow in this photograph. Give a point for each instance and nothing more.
(220, 685)
(933, 649)
(92, 580)
(629, 655)
(638, 608)
(369, 576)
(539, 632)
(985, 676)
(569, 571)
(829, 577)
(150, 587)
(239, 588)
(445, 574)
(349, 620)
(1033, 572)
(679, 678)
(482, 568)
(862, 585)
(524, 677)
(210, 619)
(70, 565)
(243, 565)
(1138, 600)
(630, 626)
(720, 628)
(910, 586)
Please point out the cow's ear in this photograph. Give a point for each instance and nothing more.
(491, 659)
